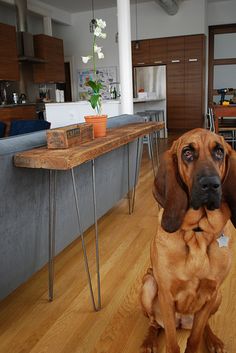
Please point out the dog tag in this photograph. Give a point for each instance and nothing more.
(223, 241)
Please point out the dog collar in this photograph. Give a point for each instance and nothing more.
(223, 241)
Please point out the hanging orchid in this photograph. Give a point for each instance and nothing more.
(95, 85)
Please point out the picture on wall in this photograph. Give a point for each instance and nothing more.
(106, 75)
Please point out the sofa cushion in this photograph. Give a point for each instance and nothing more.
(2, 128)
(19, 127)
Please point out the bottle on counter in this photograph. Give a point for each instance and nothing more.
(15, 97)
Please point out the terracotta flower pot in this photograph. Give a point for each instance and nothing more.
(99, 124)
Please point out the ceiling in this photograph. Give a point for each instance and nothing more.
(83, 5)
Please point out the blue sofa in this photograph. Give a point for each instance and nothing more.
(24, 205)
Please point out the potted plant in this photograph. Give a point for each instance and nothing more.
(99, 121)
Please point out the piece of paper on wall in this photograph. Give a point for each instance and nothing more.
(106, 75)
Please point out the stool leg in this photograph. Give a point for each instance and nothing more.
(52, 222)
(82, 239)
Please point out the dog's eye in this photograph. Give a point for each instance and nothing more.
(219, 153)
(188, 154)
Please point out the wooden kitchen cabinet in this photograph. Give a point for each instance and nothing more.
(157, 51)
(51, 50)
(140, 52)
(149, 52)
(185, 82)
(194, 81)
(9, 66)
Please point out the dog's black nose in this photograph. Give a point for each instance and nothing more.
(209, 183)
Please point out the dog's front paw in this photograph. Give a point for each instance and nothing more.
(148, 347)
(215, 345)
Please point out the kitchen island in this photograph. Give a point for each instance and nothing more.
(62, 114)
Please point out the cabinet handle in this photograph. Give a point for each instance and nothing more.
(158, 62)
(175, 61)
(140, 63)
(191, 60)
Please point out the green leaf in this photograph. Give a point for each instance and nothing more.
(94, 100)
(96, 86)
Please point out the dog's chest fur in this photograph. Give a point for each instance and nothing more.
(196, 265)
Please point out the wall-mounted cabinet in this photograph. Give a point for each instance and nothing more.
(9, 66)
(184, 57)
(149, 52)
(51, 50)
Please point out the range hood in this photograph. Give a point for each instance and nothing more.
(25, 40)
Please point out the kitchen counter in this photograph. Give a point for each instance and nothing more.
(62, 114)
(15, 105)
(142, 100)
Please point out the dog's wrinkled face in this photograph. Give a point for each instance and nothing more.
(199, 170)
(202, 167)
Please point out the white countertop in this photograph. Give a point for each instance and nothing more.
(141, 100)
(108, 101)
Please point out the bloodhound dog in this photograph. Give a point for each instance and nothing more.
(191, 251)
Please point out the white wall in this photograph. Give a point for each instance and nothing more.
(221, 12)
(153, 22)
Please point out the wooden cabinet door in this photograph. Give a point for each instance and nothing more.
(175, 83)
(175, 50)
(9, 66)
(140, 52)
(157, 51)
(194, 81)
(51, 50)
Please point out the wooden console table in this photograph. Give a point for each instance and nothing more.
(68, 159)
(223, 111)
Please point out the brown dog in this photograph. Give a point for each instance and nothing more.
(191, 252)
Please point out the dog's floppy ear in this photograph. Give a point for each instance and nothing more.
(229, 189)
(169, 193)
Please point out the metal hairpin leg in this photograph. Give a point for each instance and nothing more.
(152, 153)
(96, 235)
(52, 222)
(129, 193)
(157, 137)
(83, 242)
(136, 174)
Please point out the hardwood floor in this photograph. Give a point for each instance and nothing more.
(30, 324)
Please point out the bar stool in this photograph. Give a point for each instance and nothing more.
(149, 139)
(157, 115)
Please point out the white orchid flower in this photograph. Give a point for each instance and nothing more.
(101, 23)
(97, 31)
(103, 35)
(100, 55)
(85, 59)
(97, 49)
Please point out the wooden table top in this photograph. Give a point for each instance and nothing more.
(224, 110)
(65, 159)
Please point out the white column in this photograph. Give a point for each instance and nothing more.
(47, 25)
(125, 59)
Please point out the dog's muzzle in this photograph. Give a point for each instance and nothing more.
(206, 192)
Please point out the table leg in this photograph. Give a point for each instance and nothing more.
(82, 239)
(129, 191)
(152, 153)
(96, 235)
(136, 174)
(52, 221)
